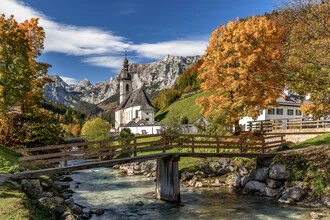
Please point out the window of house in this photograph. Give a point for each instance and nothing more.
(271, 111)
(298, 112)
(290, 112)
(136, 113)
(147, 119)
(279, 111)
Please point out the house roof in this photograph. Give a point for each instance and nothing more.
(131, 124)
(291, 100)
(136, 98)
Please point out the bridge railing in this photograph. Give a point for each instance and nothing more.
(146, 144)
(286, 124)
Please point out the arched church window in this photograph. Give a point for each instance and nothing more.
(127, 88)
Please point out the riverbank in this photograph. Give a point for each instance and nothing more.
(297, 177)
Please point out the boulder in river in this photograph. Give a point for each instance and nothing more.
(31, 187)
(325, 199)
(99, 212)
(292, 194)
(271, 192)
(242, 171)
(271, 183)
(278, 172)
(235, 181)
(260, 174)
(245, 180)
(254, 187)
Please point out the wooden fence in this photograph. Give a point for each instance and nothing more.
(271, 125)
(147, 144)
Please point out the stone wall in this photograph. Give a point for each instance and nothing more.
(294, 136)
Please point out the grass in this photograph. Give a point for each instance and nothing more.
(184, 107)
(13, 203)
(319, 140)
(8, 160)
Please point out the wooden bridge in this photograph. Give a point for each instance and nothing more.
(166, 148)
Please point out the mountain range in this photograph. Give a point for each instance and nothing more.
(84, 96)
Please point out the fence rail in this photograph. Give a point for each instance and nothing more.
(147, 144)
(271, 125)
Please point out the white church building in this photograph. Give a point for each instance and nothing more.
(135, 110)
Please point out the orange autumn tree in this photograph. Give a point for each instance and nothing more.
(22, 81)
(307, 58)
(21, 76)
(242, 66)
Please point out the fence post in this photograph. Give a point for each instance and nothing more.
(317, 123)
(135, 153)
(282, 139)
(262, 126)
(300, 124)
(217, 144)
(164, 142)
(24, 164)
(192, 147)
(65, 156)
(241, 143)
(263, 144)
(250, 125)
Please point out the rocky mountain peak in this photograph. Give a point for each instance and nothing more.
(84, 83)
(153, 77)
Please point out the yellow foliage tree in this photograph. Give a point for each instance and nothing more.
(96, 129)
(307, 57)
(242, 67)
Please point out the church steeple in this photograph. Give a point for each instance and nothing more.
(125, 85)
(125, 74)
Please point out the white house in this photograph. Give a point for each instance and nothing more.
(134, 106)
(289, 108)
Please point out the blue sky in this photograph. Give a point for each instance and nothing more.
(87, 38)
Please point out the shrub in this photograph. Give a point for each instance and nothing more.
(96, 129)
(39, 128)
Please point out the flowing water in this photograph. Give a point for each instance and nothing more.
(105, 188)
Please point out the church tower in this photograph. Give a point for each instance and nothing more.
(125, 86)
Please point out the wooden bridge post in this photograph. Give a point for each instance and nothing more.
(167, 182)
(65, 155)
(164, 142)
(135, 153)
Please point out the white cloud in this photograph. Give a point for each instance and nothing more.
(68, 39)
(175, 48)
(69, 80)
(98, 46)
(112, 62)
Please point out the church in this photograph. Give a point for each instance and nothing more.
(135, 108)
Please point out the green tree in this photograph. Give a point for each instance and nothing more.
(173, 124)
(96, 129)
(39, 128)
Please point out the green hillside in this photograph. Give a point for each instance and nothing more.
(183, 107)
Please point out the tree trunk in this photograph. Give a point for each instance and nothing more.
(237, 127)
